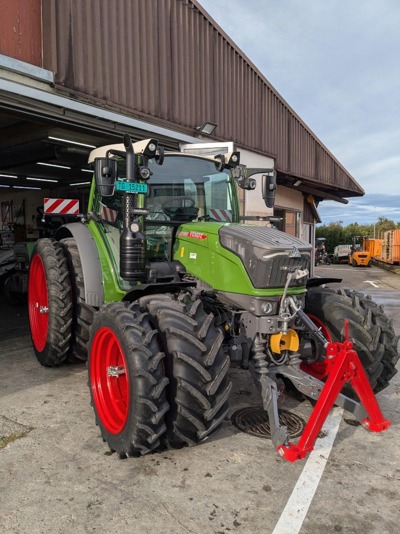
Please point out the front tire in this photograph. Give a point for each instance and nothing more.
(370, 331)
(127, 380)
(196, 366)
(49, 302)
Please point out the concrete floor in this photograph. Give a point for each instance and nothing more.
(57, 475)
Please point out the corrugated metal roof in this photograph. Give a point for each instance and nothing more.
(168, 61)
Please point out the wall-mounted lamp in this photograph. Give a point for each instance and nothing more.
(297, 183)
(207, 128)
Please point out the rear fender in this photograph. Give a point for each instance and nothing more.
(92, 275)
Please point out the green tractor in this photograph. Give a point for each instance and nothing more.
(161, 288)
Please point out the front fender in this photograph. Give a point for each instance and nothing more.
(89, 256)
(315, 282)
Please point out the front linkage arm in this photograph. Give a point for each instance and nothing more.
(344, 366)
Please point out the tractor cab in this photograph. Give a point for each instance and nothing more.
(183, 189)
(141, 197)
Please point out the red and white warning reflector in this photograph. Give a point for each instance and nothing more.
(62, 206)
(107, 214)
(221, 215)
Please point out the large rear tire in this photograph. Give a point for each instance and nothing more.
(370, 331)
(49, 302)
(127, 380)
(82, 313)
(196, 367)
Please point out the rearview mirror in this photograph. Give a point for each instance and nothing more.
(268, 184)
(105, 173)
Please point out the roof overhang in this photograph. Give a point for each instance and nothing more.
(321, 191)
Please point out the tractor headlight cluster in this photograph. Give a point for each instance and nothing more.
(152, 147)
(230, 159)
(145, 173)
(234, 159)
(147, 147)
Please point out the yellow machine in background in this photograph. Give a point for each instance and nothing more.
(360, 253)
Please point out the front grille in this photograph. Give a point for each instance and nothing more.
(273, 271)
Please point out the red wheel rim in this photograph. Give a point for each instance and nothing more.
(38, 303)
(109, 380)
(318, 369)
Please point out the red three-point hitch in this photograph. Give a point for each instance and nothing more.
(344, 366)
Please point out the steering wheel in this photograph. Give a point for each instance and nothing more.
(179, 202)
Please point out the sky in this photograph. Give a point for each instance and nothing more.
(337, 64)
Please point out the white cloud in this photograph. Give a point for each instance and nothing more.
(363, 210)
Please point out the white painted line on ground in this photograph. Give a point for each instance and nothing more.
(302, 495)
(371, 282)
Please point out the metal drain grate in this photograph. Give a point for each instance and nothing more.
(254, 420)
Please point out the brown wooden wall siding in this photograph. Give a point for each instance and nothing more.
(166, 59)
(21, 30)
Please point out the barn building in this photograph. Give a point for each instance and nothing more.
(77, 74)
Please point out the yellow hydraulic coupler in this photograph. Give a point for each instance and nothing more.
(289, 341)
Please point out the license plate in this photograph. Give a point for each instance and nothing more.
(130, 187)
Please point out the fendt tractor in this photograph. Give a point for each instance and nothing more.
(160, 287)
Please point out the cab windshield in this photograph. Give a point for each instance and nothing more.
(183, 189)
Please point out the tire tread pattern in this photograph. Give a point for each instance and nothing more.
(83, 313)
(148, 402)
(197, 367)
(59, 302)
(370, 329)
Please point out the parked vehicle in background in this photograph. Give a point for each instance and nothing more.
(16, 283)
(321, 256)
(359, 255)
(341, 253)
(7, 264)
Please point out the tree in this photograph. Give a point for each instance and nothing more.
(337, 234)
(383, 225)
(333, 233)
